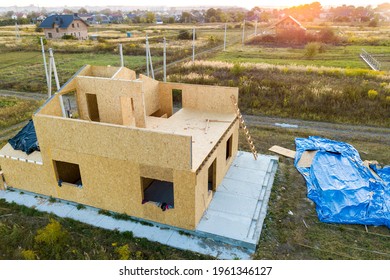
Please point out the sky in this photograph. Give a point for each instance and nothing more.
(246, 4)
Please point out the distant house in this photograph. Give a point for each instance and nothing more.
(288, 24)
(56, 26)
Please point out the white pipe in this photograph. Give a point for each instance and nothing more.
(165, 60)
(44, 62)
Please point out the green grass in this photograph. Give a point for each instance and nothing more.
(333, 95)
(15, 110)
(334, 56)
(24, 71)
(24, 229)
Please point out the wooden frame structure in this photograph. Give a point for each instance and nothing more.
(125, 131)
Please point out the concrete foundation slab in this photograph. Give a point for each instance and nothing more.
(229, 229)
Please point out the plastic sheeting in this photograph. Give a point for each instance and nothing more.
(343, 189)
(26, 139)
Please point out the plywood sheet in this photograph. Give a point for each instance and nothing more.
(306, 158)
(108, 93)
(150, 89)
(282, 151)
(125, 74)
(193, 123)
(203, 97)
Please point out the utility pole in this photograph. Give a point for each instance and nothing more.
(150, 60)
(165, 60)
(256, 28)
(53, 68)
(193, 45)
(224, 38)
(17, 35)
(147, 55)
(243, 32)
(44, 62)
(121, 54)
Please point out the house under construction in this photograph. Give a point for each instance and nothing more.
(125, 150)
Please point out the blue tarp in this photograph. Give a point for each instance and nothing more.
(26, 139)
(343, 189)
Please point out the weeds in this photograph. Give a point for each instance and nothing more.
(311, 93)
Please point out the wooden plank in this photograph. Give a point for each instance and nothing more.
(283, 151)
(306, 158)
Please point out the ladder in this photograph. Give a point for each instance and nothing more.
(243, 126)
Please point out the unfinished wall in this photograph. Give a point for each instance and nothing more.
(150, 90)
(52, 107)
(27, 176)
(103, 71)
(202, 195)
(117, 142)
(125, 74)
(108, 93)
(200, 97)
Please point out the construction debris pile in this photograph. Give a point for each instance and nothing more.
(344, 188)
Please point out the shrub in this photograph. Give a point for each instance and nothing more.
(372, 94)
(237, 69)
(312, 49)
(51, 234)
(28, 255)
(69, 37)
(123, 252)
(327, 35)
(185, 35)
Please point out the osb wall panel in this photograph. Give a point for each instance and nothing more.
(159, 173)
(183, 214)
(108, 184)
(108, 93)
(27, 176)
(118, 142)
(125, 74)
(70, 85)
(52, 108)
(165, 98)
(150, 89)
(202, 195)
(103, 71)
(204, 98)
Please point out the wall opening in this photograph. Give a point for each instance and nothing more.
(70, 105)
(67, 173)
(159, 192)
(229, 147)
(177, 99)
(93, 109)
(212, 176)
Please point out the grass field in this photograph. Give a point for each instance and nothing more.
(355, 96)
(334, 56)
(15, 110)
(24, 71)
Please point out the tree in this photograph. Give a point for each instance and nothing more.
(9, 14)
(150, 17)
(211, 13)
(67, 11)
(106, 12)
(186, 17)
(82, 11)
